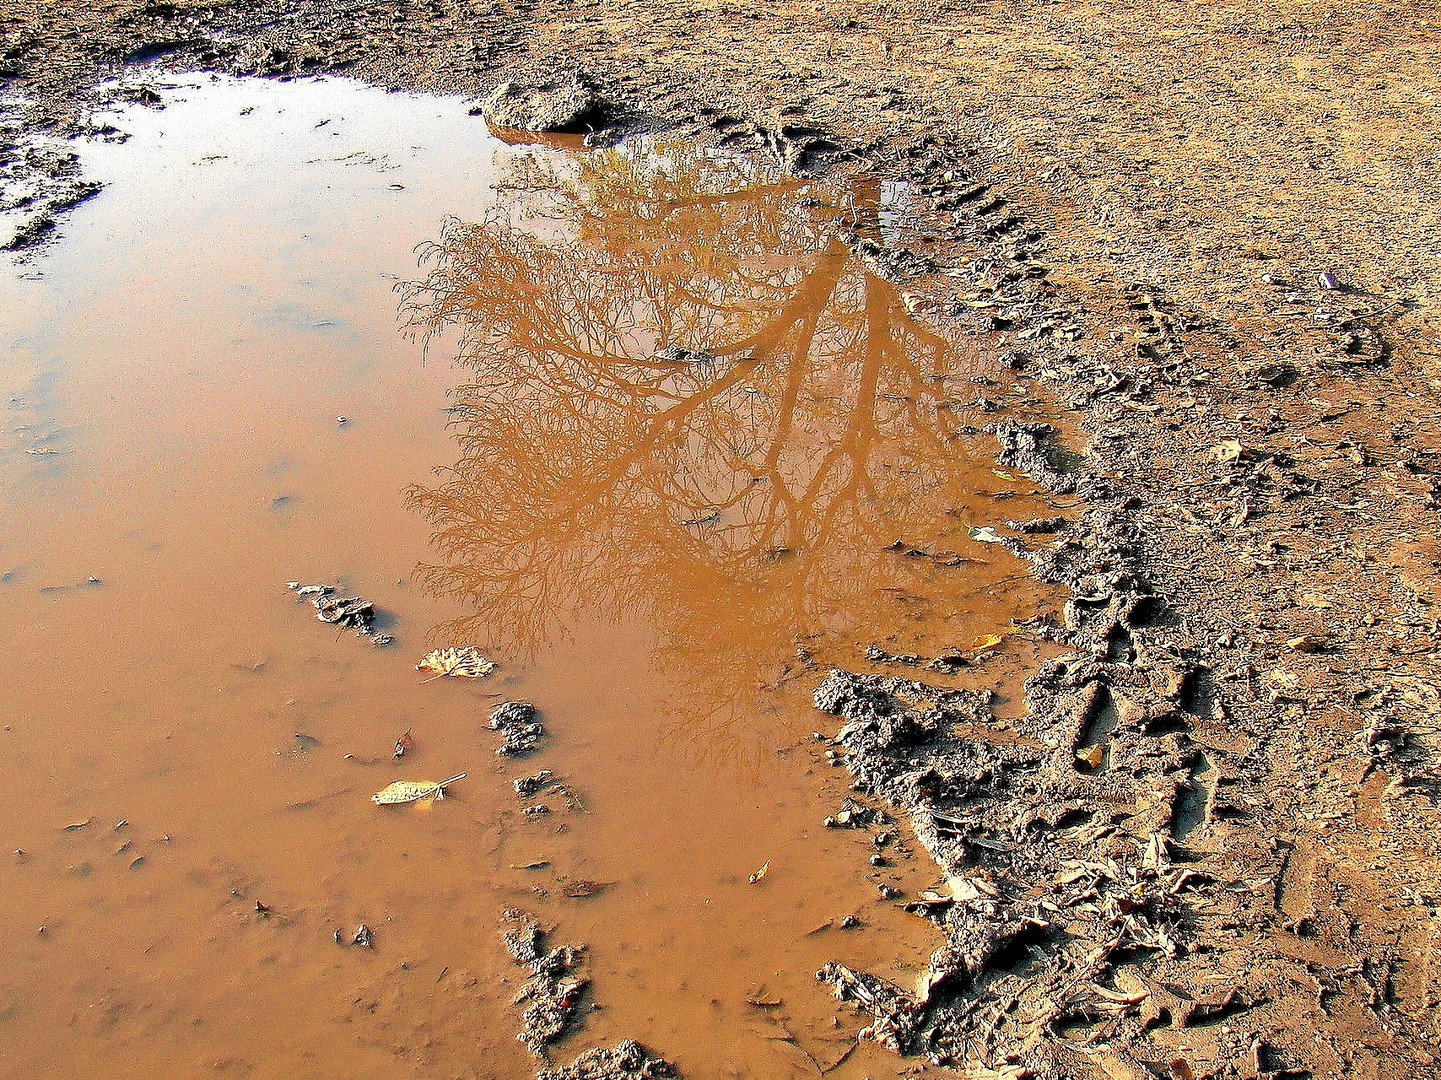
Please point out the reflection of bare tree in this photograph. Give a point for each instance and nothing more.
(736, 503)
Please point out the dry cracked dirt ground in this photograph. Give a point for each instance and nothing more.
(1211, 231)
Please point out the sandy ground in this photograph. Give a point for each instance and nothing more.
(1268, 440)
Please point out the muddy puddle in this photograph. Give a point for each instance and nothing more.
(647, 436)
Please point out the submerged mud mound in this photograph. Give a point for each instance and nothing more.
(627, 1060)
(552, 994)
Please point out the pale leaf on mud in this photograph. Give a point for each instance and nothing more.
(1229, 451)
(761, 872)
(987, 641)
(1092, 756)
(984, 533)
(465, 663)
(405, 791)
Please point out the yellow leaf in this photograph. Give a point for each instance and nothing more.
(466, 663)
(1229, 451)
(1092, 756)
(404, 791)
(761, 872)
(987, 641)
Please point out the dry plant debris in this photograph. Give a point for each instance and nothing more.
(461, 663)
(407, 791)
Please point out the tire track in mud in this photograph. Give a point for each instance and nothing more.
(1134, 898)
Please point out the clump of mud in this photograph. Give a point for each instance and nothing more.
(349, 612)
(552, 994)
(627, 1060)
(519, 726)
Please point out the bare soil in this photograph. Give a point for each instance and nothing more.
(1213, 229)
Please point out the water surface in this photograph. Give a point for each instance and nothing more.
(663, 551)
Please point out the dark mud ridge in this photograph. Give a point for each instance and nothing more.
(552, 997)
(555, 995)
(1073, 906)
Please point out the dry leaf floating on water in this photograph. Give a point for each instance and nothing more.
(405, 791)
(465, 663)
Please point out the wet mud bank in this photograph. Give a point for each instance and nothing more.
(1207, 846)
(1124, 886)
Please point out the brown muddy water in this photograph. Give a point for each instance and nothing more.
(642, 544)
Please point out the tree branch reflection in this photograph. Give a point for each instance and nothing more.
(737, 504)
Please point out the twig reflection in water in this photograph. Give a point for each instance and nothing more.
(743, 503)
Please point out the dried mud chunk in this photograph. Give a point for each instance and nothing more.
(517, 723)
(526, 786)
(567, 107)
(870, 704)
(553, 992)
(30, 234)
(1025, 446)
(524, 942)
(898, 1016)
(1040, 524)
(350, 612)
(627, 1060)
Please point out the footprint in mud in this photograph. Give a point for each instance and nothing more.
(1093, 752)
(1194, 797)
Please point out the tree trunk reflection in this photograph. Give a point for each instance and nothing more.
(739, 505)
